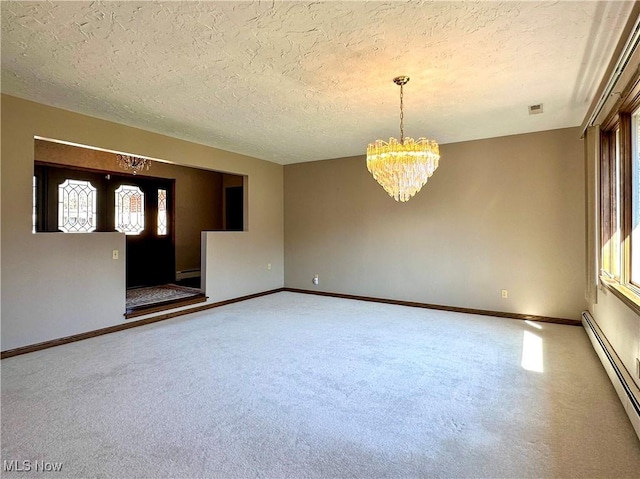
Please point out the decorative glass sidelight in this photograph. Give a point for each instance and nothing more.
(162, 212)
(76, 206)
(129, 210)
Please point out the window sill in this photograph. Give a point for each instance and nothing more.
(624, 294)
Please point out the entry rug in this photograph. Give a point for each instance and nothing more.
(149, 295)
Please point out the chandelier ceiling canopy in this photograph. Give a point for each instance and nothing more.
(402, 167)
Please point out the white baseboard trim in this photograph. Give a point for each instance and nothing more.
(627, 390)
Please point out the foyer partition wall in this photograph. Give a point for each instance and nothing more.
(57, 284)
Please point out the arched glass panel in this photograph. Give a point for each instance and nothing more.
(76, 206)
(129, 210)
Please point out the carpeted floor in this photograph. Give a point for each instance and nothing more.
(150, 295)
(299, 386)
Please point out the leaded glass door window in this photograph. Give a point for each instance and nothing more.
(129, 210)
(76, 206)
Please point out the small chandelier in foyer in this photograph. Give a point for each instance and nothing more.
(402, 167)
(133, 163)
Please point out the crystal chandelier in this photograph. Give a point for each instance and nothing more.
(402, 167)
(133, 163)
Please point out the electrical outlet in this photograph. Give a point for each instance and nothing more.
(115, 254)
(269, 266)
(316, 279)
(505, 294)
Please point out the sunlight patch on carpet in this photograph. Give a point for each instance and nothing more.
(532, 356)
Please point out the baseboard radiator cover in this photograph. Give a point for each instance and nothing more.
(627, 390)
(187, 273)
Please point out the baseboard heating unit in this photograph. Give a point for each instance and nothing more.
(187, 273)
(627, 390)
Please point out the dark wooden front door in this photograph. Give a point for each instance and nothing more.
(143, 210)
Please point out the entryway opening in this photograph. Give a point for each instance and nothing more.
(161, 210)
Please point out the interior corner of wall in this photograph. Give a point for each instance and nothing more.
(203, 261)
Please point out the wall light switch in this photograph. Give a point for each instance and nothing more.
(115, 254)
(268, 265)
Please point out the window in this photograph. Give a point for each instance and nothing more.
(620, 197)
(634, 247)
(76, 206)
(610, 205)
(129, 210)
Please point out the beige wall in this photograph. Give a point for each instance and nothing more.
(61, 284)
(224, 277)
(504, 213)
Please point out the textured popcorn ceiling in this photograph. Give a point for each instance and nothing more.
(300, 81)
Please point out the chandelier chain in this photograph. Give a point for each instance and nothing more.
(402, 113)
